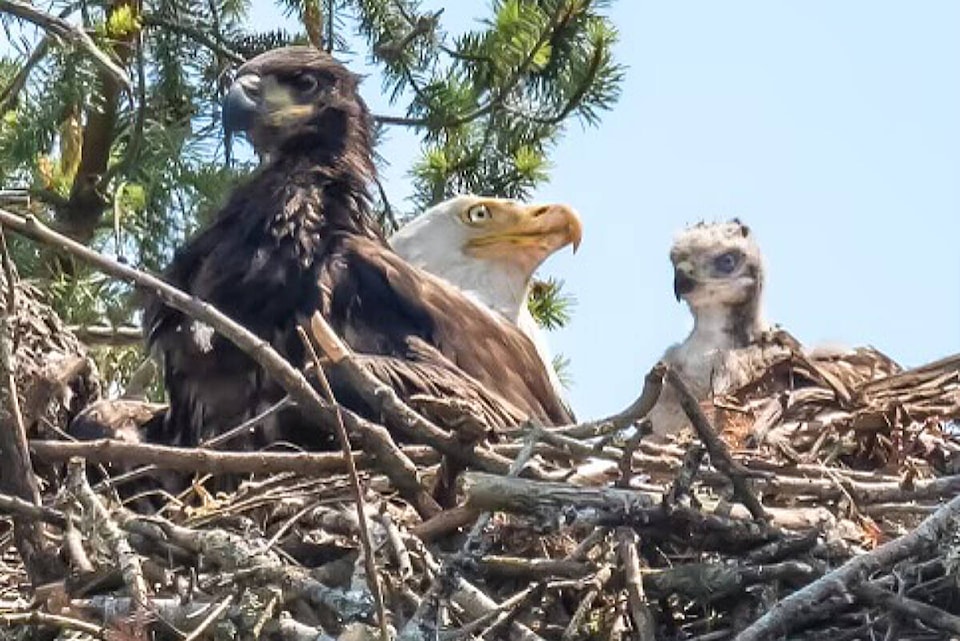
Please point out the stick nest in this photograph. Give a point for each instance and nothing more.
(823, 512)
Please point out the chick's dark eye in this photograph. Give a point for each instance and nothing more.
(304, 83)
(726, 263)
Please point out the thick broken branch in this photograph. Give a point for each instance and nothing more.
(782, 616)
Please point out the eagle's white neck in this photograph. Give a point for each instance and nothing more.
(723, 327)
(496, 285)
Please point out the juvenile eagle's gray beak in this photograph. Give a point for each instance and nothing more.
(240, 106)
(683, 283)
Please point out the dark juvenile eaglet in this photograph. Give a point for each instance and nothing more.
(298, 237)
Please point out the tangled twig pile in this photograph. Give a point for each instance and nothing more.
(830, 518)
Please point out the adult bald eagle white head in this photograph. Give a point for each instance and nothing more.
(490, 249)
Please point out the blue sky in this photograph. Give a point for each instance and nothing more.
(831, 128)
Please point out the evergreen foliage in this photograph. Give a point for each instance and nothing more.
(134, 172)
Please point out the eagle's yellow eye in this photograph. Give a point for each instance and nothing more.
(478, 214)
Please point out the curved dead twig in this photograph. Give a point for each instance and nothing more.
(652, 385)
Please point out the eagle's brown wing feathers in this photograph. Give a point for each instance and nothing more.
(443, 341)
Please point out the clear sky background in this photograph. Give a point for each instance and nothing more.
(831, 128)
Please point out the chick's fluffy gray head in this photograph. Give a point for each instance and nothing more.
(717, 265)
(298, 99)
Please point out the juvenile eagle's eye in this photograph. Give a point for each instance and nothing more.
(726, 263)
(478, 214)
(304, 83)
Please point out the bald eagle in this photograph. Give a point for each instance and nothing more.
(490, 248)
(297, 238)
(719, 273)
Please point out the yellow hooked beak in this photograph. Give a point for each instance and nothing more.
(511, 228)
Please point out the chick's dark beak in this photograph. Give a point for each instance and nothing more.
(240, 106)
(683, 283)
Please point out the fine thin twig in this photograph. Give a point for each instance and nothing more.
(195, 33)
(366, 539)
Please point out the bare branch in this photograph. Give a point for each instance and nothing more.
(719, 453)
(782, 616)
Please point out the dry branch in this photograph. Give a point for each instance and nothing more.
(781, 617)
(719, 453)
(104, 528)
(188, 459)
(16, 470)
(652, 384)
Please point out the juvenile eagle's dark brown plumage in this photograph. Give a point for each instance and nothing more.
(298, 237)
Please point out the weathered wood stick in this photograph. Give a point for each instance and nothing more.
(190, 459)
(932, 616)
(498, 493)
(781, 618)
(719, 453)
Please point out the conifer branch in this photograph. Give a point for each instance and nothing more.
(196, 34)
(69, 32)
